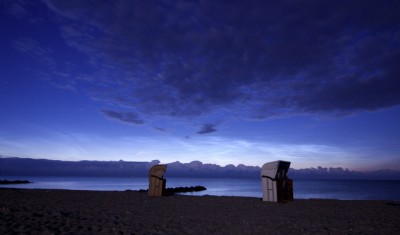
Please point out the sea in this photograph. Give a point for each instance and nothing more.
(303, 188)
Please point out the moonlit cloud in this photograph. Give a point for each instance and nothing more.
(192, 59)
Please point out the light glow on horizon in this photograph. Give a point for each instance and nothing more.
(216, 150)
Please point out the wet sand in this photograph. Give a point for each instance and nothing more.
(27, 211)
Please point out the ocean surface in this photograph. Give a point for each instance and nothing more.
(303, 189)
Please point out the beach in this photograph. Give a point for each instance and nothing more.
(42, 211)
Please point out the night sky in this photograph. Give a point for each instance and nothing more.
(226, 82)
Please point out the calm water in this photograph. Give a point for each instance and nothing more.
(303, 189)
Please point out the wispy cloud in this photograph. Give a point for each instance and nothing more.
(210, 149)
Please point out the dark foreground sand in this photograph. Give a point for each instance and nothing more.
(89, 212)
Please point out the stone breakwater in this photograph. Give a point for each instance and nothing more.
(3, 182)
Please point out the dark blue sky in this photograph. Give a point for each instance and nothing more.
(312, 82)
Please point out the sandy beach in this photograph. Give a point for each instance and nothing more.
(27, 211)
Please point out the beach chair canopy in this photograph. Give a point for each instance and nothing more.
(158, 171)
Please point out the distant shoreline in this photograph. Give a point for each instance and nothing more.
(13, 166)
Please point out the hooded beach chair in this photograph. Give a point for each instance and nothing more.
(276, 186)
(156, 181)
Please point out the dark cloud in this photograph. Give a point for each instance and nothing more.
(127, 117)
(160, 129)
(247, 58)
(206, 129)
